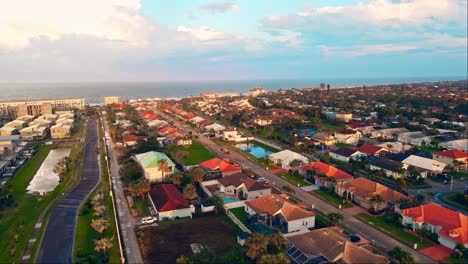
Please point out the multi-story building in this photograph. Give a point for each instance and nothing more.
(18, 108)
(108, 100)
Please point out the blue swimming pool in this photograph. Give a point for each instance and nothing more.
(228, 200)
(255, 150)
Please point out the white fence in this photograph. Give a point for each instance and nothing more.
(238, 222)
(228, 206)
(207, 183)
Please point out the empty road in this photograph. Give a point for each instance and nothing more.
(57, 243)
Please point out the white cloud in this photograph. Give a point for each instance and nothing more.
(204, 33)
(364, 50)
(220, 7)
(445, 40)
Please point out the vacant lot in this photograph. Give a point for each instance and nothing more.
(171, 239)
(195, 153)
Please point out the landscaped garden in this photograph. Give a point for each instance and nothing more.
(388, 224)
(191, 155)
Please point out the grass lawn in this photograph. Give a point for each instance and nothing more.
(450, 199)
(293, 179)
(331, 127)
(171, 239)
(333, 198)
(198, 153)
(276, 133)
(453, 260)
(343, 145)
(85, 234)
(321, 220)
(394, 231)
(239, 212)
(429, 149)
(458, 175)
(140, 206)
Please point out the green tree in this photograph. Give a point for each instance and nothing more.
(256, 245)
(140, 188)
(279, 258)
(197, 174)
(103, 244)
(100, 225)
(377, 200)
(217, 202)
(189, 192)
(163, 166)
(335, 218)
(399, 256)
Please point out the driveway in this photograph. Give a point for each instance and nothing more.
(57, 243)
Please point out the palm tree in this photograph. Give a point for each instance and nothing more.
(295, 163)
(139, 187)
(189, 192)
(197, 174)
(163, 165)
(277, 243)
(100, 225)
(399, 256)
(177, 180)
(98, 198)
(390, 146)
(279, 258)
(257, 245)
(217, 202)
(335, 218)
(376, 200)
(103, 244)
(99, 210)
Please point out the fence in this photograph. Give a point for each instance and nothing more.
(228, 206)
(268, 143)
(238, 222)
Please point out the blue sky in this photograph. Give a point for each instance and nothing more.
(150, 40)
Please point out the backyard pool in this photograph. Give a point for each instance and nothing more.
(228, 200)
(255, 150)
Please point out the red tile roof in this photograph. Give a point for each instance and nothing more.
(168, 130)
(356, 125)
(453, 154)
(220, 164)
(347, 132)
(273, 204)
(132, 138)
(166, 197)
(454, 225)
(330, 171)
(369, 149)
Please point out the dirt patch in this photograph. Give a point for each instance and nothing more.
(171, 239)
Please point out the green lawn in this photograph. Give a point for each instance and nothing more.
(333, 198)
(198, 153)
(78, 129)
(394, 231)
(450, 199)
(321, 220)
(140, 206)
(429, 148)
(458, 175)
(84, 246)
(331, 127)
(239, 213)
(276, 133)
(293, 179)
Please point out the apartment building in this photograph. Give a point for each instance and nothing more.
(19, 108)
(109, 100)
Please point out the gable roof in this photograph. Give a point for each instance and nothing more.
(150, 159)
(238, 179)
(274, 204)
(132, 138)
(166, 197)
(424, 163)
(345, 152)
(365, 189)
(220, 164)
(453, 154)
(386, 164)
(328, 170)
(369, 149)
(286, 156)
(454, 225)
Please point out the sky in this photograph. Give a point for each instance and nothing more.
(161, 40)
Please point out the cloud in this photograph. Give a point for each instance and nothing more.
(220, 7)
(204, 33)
(364, 50)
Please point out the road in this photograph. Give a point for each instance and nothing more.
(57, 243)
(126, 220)
(381, 241)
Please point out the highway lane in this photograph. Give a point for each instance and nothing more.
(57, 243)
(381, 241)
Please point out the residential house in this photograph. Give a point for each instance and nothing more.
(41, 122)
(196, 119)
(370, 150)
(456, 158)
(323, 172)
(344, 116)
(60, 131)
(217, 128)
(414, 138)
(361, 191)
(243, 187)
(203, 124)
(329, 245)
(285, 157)
(26, 118)
(277, 213)
(8, 131)
(461, 144)
(263, 120)
(157, 124)
(387, 133)
(177, 138)
(17, 124)
(65, 121)
(391, 168)
(36, 132)
(348, 136)
(167, 130)
(425, 164)
(231, 134)
(324, 138)
(394, 147)
(168, 203)
(152, 165)
(130, 140)
(217, 167)
(450, 226)
(346, 154)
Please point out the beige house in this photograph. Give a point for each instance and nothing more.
(152, 170)
(108, 100)
(344, 116)
(60, 131)
(242, 186)
(348, 136)
(35, 132)
(41, 122)
(18, 124)
(7, 131)
(65, 121)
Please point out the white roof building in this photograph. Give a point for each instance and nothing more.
(216, 127)
(285, 157)
(431, 165)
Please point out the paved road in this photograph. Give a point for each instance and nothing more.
(382, 241)
(126, 221)
(57, 243)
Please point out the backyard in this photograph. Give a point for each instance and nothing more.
(394, 230)
(195, 153)
(171, 239)
(332, 198)
(240, 213)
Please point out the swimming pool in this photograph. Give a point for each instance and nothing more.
(255, 150)
(228, 200)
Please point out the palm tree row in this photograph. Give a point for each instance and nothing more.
(101, 223)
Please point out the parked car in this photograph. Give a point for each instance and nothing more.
(148, 220)
(353, 238)
(261, 179)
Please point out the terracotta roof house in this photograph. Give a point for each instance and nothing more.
(449, 156)
(361, 190)
(450, 226)
(131, 140)
(243, 187)
(203, 123)
(346, 154)
(167, 130)
(329, 245)
(370, 150)
(319, 168)
(277, 213)
(168, 202)
(219, 167)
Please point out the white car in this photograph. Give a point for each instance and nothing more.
(148, 220)
(262, 180)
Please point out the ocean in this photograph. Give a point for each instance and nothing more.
(94, 93)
